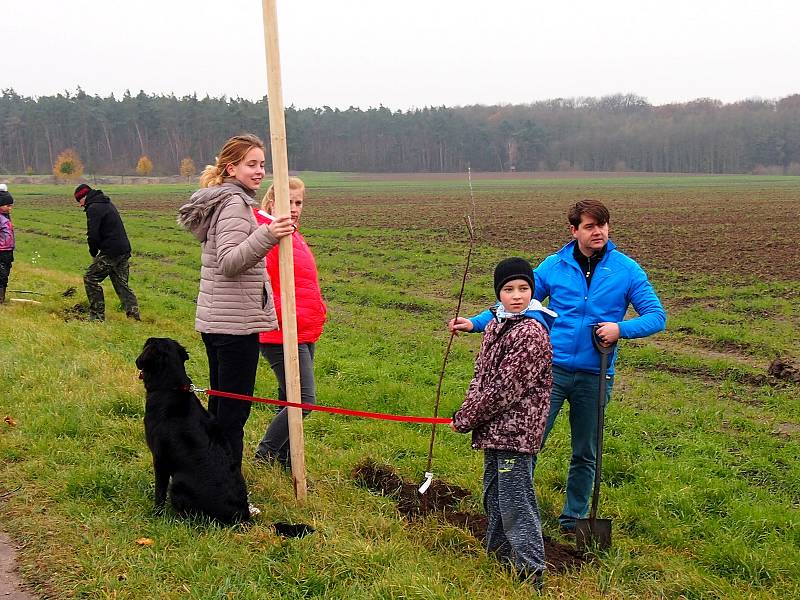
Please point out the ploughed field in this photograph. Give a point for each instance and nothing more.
(728, 224)
(702, 470)
(695, 226)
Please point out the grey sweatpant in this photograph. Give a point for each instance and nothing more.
(514, 531)
(275, 443)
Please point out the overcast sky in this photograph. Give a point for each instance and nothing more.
(406, 53)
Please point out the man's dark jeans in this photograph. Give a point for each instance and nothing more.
(581, 391)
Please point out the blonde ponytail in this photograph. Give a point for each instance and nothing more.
(212, 175)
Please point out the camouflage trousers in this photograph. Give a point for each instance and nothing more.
(115, 268)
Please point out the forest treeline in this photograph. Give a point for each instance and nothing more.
(619, 132)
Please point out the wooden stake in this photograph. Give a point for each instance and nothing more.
(280, 179)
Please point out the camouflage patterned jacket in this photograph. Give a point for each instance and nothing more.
(508, 399)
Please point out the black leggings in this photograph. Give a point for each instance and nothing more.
(232, 365)
(6, 258)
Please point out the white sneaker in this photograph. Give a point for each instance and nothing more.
(254, 510)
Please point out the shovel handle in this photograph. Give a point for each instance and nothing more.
(598, 460)
(604, 351)
(599, 345)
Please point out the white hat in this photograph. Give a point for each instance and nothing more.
(3, 187)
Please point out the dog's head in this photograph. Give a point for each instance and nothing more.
(161, 364)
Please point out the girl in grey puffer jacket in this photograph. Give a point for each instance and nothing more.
(235, 302)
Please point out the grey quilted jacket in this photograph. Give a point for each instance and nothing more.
(508, 399)
(235, 293)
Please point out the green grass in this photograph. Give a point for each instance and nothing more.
(703, 488)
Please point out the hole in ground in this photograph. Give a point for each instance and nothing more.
(442, 499)
(76, 312)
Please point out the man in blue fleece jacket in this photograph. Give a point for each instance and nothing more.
(589, 282)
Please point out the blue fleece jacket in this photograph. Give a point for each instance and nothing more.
(618, 282)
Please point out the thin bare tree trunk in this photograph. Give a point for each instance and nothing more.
(108, 144)
(139, 133)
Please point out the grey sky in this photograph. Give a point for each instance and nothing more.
(409, 53)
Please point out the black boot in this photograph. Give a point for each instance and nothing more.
(2, 295)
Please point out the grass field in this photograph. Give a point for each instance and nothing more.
(702, 470)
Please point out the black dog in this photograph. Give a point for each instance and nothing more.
(186, 441)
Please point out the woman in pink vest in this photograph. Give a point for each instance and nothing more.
(311, 311)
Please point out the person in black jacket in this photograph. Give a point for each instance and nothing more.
(111, 250)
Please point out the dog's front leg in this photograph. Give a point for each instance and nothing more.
(162, 482)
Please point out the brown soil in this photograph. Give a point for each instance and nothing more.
(707, 374)
(442, 500)
(698, 347)
(77, 312)
(11, 585)
(787, 431)
(671, 229)
(495, 176)
(783, 369)
(720, 228)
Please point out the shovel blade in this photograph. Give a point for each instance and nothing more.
(591, 532)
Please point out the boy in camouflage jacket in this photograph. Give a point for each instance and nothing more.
(506, 410)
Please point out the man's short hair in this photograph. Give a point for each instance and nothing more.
(593, 208)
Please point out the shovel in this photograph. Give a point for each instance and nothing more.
(593, 530)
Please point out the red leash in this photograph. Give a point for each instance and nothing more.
(330, 409)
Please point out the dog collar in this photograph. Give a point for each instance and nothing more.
(190, 387)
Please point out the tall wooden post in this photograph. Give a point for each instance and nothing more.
(280, 175)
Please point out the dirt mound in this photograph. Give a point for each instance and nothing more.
(76, 312)
(782, 369)
(441, 499)
(383, 479)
